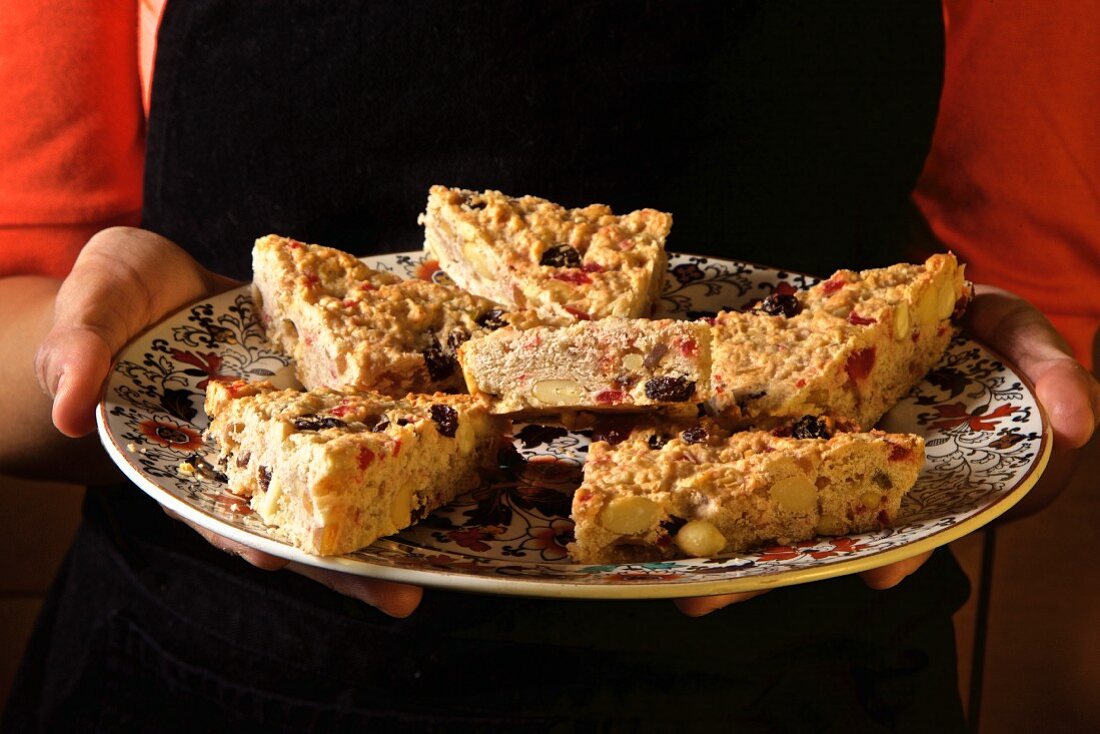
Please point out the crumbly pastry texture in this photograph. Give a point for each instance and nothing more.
(349, 326)
(529, 253)
(702, 492)
(612, 364)
(333, 470)
(849, 347)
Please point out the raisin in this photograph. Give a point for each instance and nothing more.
(243, 459)
(561, 256)
(695, 434)
(440, 363)
(672, 389)
(446, 419)
(779, 304)
(317, 423)
(673, 524)
(656, 441)
(265, 478)
(654, 355)
(744, 400)
(809, 426)
(382, 424)
(492, 319)
(403, 421)
(882, 479)
(456, 338)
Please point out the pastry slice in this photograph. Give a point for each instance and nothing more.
(529, 253)
(348, 326)
(334, 471)
(612, 364)
(702, 492)
(849, 347)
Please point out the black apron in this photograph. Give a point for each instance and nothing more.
(782, 133)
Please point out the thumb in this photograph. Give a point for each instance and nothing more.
(124, 280)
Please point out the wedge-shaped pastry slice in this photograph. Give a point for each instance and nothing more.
(702, 492)
(848, 347)
(334, 470)
(348, 326)
(529, 253)
(612, 364)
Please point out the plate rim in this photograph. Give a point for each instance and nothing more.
(522, 586)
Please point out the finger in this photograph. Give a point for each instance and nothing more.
(257, 558)
(394, 599)
(1068, 393)
(889, 576)
(698, 606)
(124, 280)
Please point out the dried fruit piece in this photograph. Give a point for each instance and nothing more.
(561, 256)
(656, 441)
(810, 426)
(655, 355)
(632, 362)
(695, 434)
(670, 389)
(779, 304)
(440, 363)
(446, 419)
(492, 319)
(317, 423)
(901, 321)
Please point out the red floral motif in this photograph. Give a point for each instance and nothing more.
(550, 540)
(171, 435)
(207, 363)
(790, 552)
(427, 269)
(643, 576)
(840, 545)
(232, 504)
(955, 415)
(785, 552)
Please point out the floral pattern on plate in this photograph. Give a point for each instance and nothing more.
(986, 438)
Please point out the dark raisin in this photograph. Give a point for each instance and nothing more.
(810, 426)
(474, 201)
(456, 338)
(382, 424)
(695, 434)
(446, 419)
(403, 421)
(265, 478)
(882, 479)
(779, 304)
(440, 363)
(656, 441)
(243, 459)
(744, 400)
(492, 319)
(561, 256)
(317, 423)
(671, 389)
(673, 524)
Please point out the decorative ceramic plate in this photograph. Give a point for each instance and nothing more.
(987, 442)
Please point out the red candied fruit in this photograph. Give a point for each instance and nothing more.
(856, 320)
(689, 347)
(785, 289)
(341, 410)
(898, 452)
(800, 384)
(607, 397)
(860, 363)
(295, 245)
(366, 456)
(349, 302)
(311, 280)
(832, 286)
(576, 277)
(582, 496)
(593, 268)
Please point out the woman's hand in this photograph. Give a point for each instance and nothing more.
(124, 281)
(1068, 393)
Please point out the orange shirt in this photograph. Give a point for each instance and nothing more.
(1012, 183)
(1009, 183)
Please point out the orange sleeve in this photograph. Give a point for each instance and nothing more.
(1012, 182)
(71, 128)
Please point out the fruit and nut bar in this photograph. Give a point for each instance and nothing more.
(700, 491)
(529, 253)
(849, 347)
(611, 364)
(348, 326)
(336, 470)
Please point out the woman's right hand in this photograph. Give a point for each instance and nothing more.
(124, 281)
